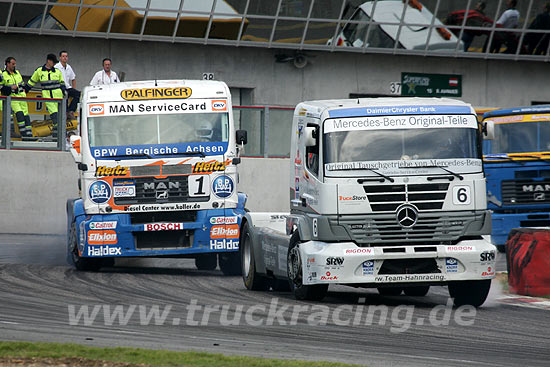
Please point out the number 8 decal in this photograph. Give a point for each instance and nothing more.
(461, 195)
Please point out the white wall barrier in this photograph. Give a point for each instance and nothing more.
(35, 186)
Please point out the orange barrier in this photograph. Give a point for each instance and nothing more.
(528, 258)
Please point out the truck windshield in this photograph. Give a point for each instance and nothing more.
(125, 130)
(391, 143)
(521, 137)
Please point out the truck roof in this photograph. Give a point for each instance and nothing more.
(517, 111)
(199, 89)
(318, 107)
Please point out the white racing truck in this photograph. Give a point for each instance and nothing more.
(386, 193)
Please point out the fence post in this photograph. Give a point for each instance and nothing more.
(62, 125)
(6, 123)
(265, 132)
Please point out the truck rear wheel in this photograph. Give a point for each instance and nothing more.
(419, 291)
(230, 263)
(206, 261)
(80, 263)
(252, 280)
(295, 273)
(469, 292)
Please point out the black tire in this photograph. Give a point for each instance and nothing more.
(390, 291)
(252, 280)
(206, 261)
(279, 285)
(501, 248)
(295, 274)
(230, 263)
(81, 263)
(419, 291)
(469, 292)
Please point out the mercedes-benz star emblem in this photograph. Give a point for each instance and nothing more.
(407, 216)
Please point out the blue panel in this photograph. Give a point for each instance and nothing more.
(517, 111)
(399, 110)
(160, 150)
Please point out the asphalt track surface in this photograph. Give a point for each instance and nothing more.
(38, 289)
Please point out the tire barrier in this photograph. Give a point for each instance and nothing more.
(528, 260)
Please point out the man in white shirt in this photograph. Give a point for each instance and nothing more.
(508, 19)
(70, 83)
(105, 76)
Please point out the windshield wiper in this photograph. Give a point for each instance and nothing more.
(460, 177)
(135, 155)
(201, 154)
(361, 180)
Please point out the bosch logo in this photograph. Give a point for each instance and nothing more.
(406, 216)
(96, 109)
(219, 105)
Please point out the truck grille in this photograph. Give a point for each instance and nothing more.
(525, 192)
(386, 198)
(151, 190)
(384, 229)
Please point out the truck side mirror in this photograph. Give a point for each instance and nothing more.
(488, 130)
(310, 137)
(242, 137)
(74, 141)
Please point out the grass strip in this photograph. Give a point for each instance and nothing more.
(134, 356)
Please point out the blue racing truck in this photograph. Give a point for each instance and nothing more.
(517, 165)
(157, 164)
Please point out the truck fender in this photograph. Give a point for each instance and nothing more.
(242, 197)
(74, 208)
(302, 226)
(256, 244)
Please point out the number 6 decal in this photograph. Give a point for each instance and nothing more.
(461, 195)
(199, 185)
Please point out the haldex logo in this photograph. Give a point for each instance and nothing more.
(407, 216)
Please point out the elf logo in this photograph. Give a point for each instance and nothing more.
(96, 109)
(219, 105)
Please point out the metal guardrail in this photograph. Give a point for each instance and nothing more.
(6, 141)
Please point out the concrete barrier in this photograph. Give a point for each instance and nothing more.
(528, 258)
(36, 184)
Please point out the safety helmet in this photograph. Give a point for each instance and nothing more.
(204, 130)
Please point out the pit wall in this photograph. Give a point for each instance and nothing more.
(37, 184)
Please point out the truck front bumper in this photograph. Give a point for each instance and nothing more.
(346, 263)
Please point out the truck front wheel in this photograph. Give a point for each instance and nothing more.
(469, 292)
(252, 280)
(80, 263)
(296, 274)
(230, 263)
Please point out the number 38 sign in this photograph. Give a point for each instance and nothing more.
(461, 195)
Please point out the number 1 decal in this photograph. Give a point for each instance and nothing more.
(199, 185)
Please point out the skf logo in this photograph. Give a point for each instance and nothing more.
(219, 232)
(163, 227)
(96, 109)
(102, 238)
(219, 105)
(155, 93)
(111, 171)
(210, 166)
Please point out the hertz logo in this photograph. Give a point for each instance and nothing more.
(112, 171)
(155, 93)
(210, 166)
